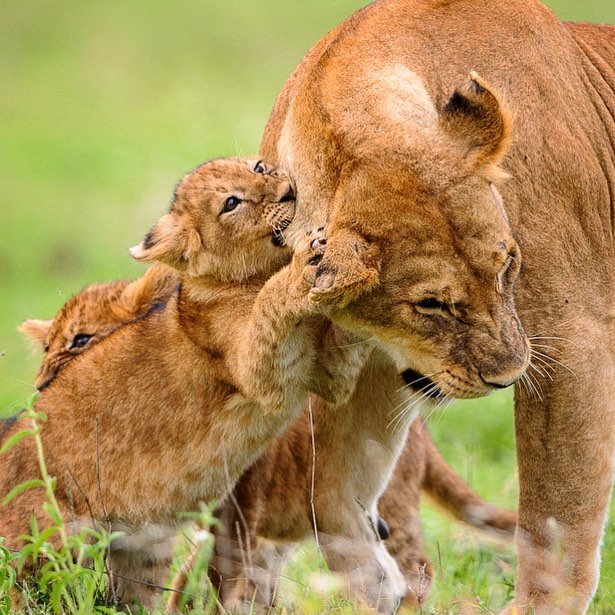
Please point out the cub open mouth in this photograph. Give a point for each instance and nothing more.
(421, 384)
(277, 237)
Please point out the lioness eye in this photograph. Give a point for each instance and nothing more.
(231, 203)
(259, 167)
(431, 305)
(80, 340)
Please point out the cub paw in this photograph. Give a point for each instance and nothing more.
(311, 248)
(307, 257)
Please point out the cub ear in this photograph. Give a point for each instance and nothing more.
(153, 287)
(350, 267)
(477, 119)
(168, 242)
(37, 331)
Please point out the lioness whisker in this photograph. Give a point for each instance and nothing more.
(546, 346)
(546, 356)
(544, 363)
(407, 385)
(523, 384)
(415, 393)
(539, 370)
(549, 338)
(535, 385)
(444, 402)
(529, 386)
(544, 366)
(410, 403)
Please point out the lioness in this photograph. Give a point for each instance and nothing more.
(170, 409)
(393, 146)
(273, 493)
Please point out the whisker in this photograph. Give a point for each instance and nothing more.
(546, 356)
(544, 365)
(536, 385)
(410, 405)
(549, 337)
(409, 384)
(540, 371)
(553, 348)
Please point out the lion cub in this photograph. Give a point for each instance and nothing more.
(94, 314)
(170, 409)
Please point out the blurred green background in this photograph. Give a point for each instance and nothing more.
(103, 105)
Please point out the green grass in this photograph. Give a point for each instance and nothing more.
(103, 107)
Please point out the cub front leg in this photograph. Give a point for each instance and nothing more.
(276, 352)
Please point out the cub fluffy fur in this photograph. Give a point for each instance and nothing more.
(170, 409)
(94, 314)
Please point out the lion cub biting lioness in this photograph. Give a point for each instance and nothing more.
(170, 409)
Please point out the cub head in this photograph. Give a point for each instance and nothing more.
(420, 256)
(225, 221)
(94, 314)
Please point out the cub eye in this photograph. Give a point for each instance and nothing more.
(231, 203)
(259, 167)
(431, 305)
(80, 340)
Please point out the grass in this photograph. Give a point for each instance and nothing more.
(104, 106)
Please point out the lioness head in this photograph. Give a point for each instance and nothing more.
(420, 255)
(224, 221)
(94, 314)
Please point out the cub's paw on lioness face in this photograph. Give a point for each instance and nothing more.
(307, 257)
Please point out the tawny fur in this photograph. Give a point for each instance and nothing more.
(94, 314)
(389, 147)
(169, 410)
(277, 483)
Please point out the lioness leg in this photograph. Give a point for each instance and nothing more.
(565, 444)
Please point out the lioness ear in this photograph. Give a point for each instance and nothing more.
(37, 331)
(350, 267)
(476, 118)
(168, 242)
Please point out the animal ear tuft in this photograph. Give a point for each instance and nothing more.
(350, 267)
(170, 242)
(37, 331)
(144, 293)
(476, 118)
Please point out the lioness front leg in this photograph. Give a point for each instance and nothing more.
(565, 444)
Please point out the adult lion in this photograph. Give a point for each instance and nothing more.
(394, 150)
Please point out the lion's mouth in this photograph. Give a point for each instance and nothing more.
(277, 237)
(422, 384)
